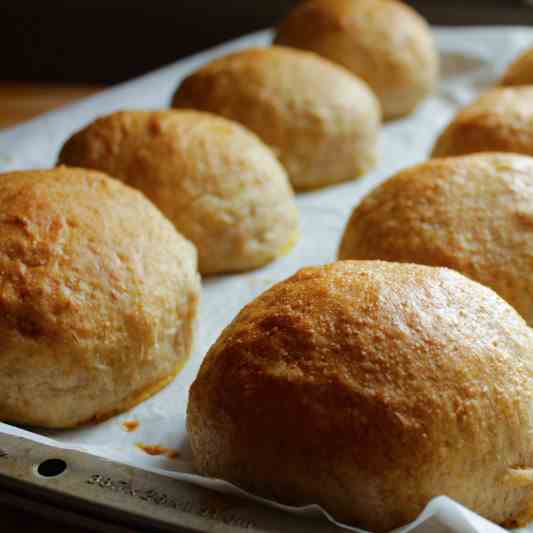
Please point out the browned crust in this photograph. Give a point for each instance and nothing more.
(321, 121)
(95, 312)
(369, 388)
(473, 214)
(520, 71)
(499, 121)
(384, 42)
(220, 186)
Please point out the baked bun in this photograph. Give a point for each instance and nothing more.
(98, 295)
(501, 120)
(473, 214)
(384, 42)
(218, 183)
(321, 121)
(369, 388)
(520, 71)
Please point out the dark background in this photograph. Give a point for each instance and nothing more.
(102, 41)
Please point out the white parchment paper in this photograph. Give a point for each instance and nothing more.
(472, 59)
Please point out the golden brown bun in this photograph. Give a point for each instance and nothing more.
(218, 183)
(501, 120)
(384, 42)
(473, 214)
(369, 388)
(520, 71)
(98, 295)
(321, 121)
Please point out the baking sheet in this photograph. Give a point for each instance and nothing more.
(472, 59)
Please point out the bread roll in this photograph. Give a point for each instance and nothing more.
(501, 120)
(384, 42)
(321, 121)
(369, 388)
(473, 214)
(520, 71)
(98, 295)
(218, 183)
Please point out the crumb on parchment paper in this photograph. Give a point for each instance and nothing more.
(156, 449)
(130, 425)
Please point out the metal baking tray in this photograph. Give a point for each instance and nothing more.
(100, 495)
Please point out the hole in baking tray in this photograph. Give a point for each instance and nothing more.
(51, 468)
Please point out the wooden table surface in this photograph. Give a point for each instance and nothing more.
(22, 101)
